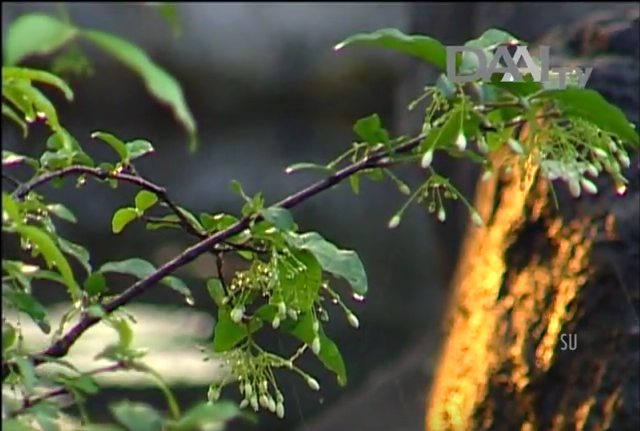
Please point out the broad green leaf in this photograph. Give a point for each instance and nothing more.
(145, 200)
(15, 425)
(227, 333)
(279, 217)
(329, 354)
(95, 284)
(53, 256)
(125, 334)
(77, 251)
(29, 305)
(299, 279)
(28, 373)
(40, 102)
(216, 291)
(204, 414)
(371, 131)
(141, 269)
(35, 34)
(9, 336)
(519, 89)
(341, 263)
(115, 143)
(123, 217)
(138, 148)
(9, 72)
(84, 383)
(423, 47)
(492, 38)
(137, 416)
(62, 212)
(301, 166)
(591, 106)
(160, 84)
(100, 427)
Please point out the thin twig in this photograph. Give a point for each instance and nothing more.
(61, 347)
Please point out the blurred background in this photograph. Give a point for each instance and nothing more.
(267, 90)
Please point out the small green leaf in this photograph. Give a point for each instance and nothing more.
(302, 166)
(15, 425)
(100, 427)
(10, 208)
(444, 135)
(157, 377)
(491, 38)
(84, 383)
(300, 278)
(145, 200)
(341, 263)
(423, 47)
(371, 131)
(95, 284)
(354, 181)
(446, 87)
(62, 212)
(159, 83)
(9, 112)
(77, 251)
(31, 307)
(227, 333)
(53, 256)
(28, 373)
(40, 102)
(138, 148)
(115, 143)
(9, 336)
(591, 106)
(279, 217)
(216, 291)
(329, 354)
(38, 76)
(125, 334)
(137, 416)
(518, 89)
(33, 34)
(178, 285)
(123, 217)
(202, 415)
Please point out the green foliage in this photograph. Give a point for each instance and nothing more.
(288, 275)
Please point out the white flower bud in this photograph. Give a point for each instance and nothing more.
(589, 186)
(272, 405)
(624, 160)
(353, 320)
(574, 187)
(515, 146)
(248, 389)
(592, 170)
(313, 384)
(244, 403)
(394, 222)
(275, 323)
(280, 410)
(404, 189)
(236, 314)
(482, 145)
(254, 403)
(264, 401)
(316, 326)
(441, 214)
(600, 153)
(461, 142)
(292, 313)
(315, 345)
(282, 309)
(427, 158)
(486, 176)
(476, 219)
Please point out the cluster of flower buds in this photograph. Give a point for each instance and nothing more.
(256, 395)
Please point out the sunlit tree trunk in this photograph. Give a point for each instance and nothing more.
(543, 326)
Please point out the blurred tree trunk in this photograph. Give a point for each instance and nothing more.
(543, 325)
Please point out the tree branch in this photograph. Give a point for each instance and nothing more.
(61, 347)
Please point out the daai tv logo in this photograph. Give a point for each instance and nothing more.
(514, 61)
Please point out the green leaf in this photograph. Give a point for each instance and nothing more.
(204, 414)
(40, 102)
(85, 383)
(115, 143)
(15, 425)
(302, 166)
(491, 39)
(145, 200)
(157, 377)
(227, 333)
(35, 34)
(341, 263)
(371, 131)
(354, 181)
(53, 256)
(38, 76)
(123, 217)
(95, 284)
(216, 291)
(100, 427)
(29, 305)
(170, 13)
(300, 278)
(9, 112)
(137, 416)
(591, 106)
(518, 89)
(279, 217)
(446, 87)
(62, 212)
(10, 208)
(423, 47)
(138, 148)
(77, 251)
(142, 269)
(125, 334)
(329, 354)
(28, 373)
(444, 135)
(158, 82)
(9, 336)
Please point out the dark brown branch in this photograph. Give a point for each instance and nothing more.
(61, 347)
